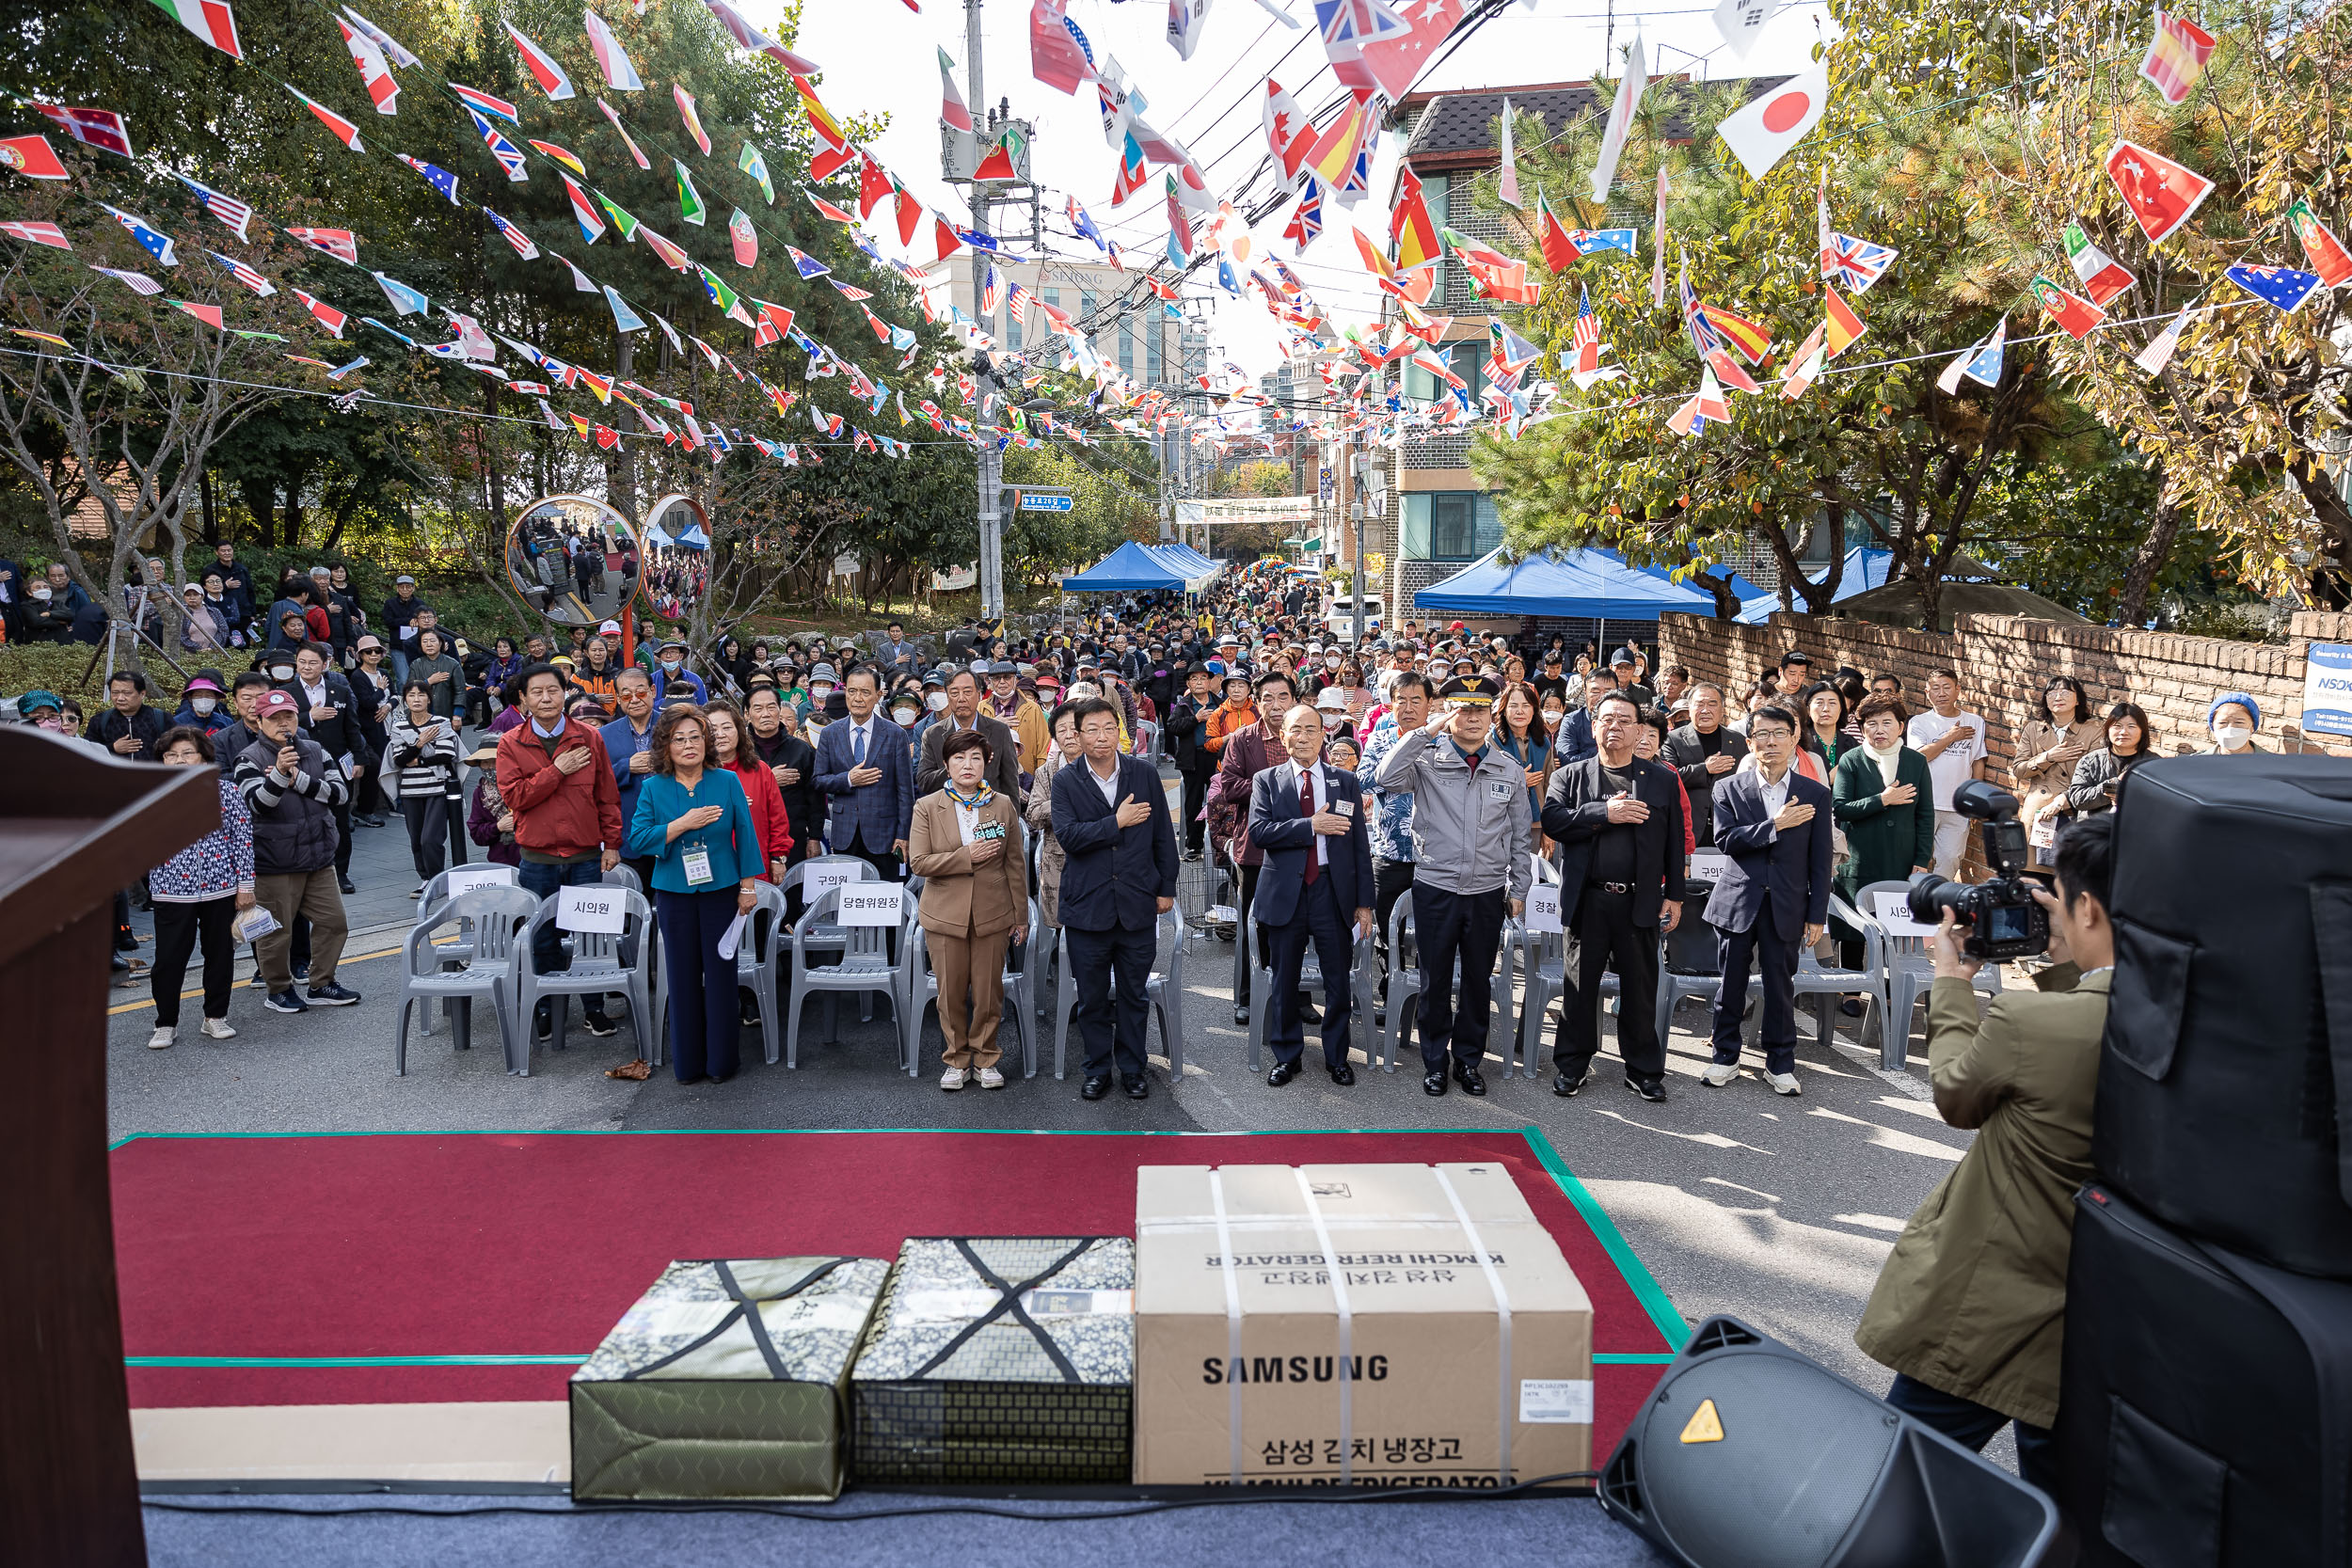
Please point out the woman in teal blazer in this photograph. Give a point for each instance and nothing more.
(695, 825)
(1890, 828)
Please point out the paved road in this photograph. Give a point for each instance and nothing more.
(1778, 1209)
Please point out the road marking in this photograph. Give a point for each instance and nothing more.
(1717, 1180)
(346, 958)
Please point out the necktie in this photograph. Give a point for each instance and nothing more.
(857, 747)
(1307, 808)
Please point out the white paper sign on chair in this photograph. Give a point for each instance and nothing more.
(1894, 912)
(1710, 865)
(871, 904)
(465, 878)
(818, 880)
(593, 907)
(1543, 906)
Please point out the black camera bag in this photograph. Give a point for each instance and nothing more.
(2225, 1076)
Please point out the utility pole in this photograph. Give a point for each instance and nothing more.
(990, 459)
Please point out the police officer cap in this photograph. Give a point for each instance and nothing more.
(1470, 691)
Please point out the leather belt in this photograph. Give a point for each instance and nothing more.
(1612, 887)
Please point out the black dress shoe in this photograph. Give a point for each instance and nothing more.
(346, 884)
(1309, 1012)
(1654, 1090)
(1241, 1017)
(1467, 1077)
(1283, 1072)
(1095, 1087)
(1433, 1083)
(1564, 1085)
(1344, 1076)
(1138, 1088)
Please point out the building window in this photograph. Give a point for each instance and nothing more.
(1011, 335)
(1152, 330)
(1449, 525)
(1126, 346)
(1469, 359)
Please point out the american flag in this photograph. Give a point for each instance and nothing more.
(1587, 339)
(232, 213)
(1017, 302)
(993, 292)
(515, 237)
(244, 274)
(138, 281)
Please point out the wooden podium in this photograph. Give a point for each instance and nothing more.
(75, 825)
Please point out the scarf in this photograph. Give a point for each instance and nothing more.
(970, 802)
(1886, 760)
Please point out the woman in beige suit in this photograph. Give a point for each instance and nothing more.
(965, 845)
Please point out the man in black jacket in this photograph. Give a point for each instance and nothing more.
(331, 716)
(130, 728)
(1195, 762)
(794, 762)
(293, 792)
(1618, 821)
(1705, 754)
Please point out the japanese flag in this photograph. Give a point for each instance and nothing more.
(1759, 134)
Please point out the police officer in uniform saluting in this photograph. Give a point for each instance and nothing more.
(1470, 838)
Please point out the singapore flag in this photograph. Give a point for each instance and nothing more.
(1760, 133)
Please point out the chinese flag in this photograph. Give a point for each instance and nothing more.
(2160, 192)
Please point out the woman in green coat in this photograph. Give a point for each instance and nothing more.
(1884, 797)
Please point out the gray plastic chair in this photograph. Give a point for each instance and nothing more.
(1829, 983)
(491, 918)
(598, 967)
(757, 969)
(1512, 959)
(923, 991)
(453, 951)
(1692, 964)
(1163, 997)
(1405, 984)
(1310, 978)
(863, 967)
(1906, 969)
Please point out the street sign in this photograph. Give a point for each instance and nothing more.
(1046, 503)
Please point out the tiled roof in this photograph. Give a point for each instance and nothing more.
(1456, 129)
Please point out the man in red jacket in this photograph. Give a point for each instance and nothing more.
(554, 776)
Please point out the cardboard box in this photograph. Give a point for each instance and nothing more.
(1005, 1360)
(727, 1379)
(1455, 1331)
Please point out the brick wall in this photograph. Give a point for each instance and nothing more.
(2004, 661)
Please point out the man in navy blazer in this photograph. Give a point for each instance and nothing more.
(1118, 878)
(864, 764)
(1773, 902)
(1309, 819)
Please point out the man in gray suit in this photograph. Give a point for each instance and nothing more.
(1704, 752)
(963, 713)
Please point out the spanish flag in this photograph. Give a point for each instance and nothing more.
(1845, 327)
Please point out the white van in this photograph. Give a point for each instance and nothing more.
(1339, 620)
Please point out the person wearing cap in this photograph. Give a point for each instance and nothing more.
(1626, 665)
(42, 708)
(2232, 718)
(1186, 730)
(202, 629)
(293, 791)
(488, 822)
(673, 680)
(1618, 820)
(1020, 712)
(398, 623)
(204, 705)
(196, 895)
(1470, 837)
(823, 685)
(963, 714)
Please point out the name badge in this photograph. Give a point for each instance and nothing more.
(1499, 791)
(697, 866)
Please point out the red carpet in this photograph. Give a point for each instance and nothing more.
(464, 1246)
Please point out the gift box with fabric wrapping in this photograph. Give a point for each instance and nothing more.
(727, 1379)
(1000, 1360)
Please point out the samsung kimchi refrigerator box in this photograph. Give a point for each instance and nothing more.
(1366, 1325)
(999, 1360)
(727, 1379)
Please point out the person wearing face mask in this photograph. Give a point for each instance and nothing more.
(2233, 717)
(41, 709)
(201, 706)
(49, 609)
(671, 675)
(822, 685)
(963, 713)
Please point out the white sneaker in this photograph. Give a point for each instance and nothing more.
(1784, 1083)
(218, 1029)
(992, 1079)
(1717, 1074)
(952, 1079)
(161, 1039)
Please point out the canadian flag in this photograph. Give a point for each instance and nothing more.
(373, 71)
(1287, 131)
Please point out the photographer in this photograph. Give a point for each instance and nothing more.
(1970, 1309)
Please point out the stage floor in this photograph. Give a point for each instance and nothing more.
(310, 1309)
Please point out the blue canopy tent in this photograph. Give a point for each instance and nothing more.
(1127, 569)
(1581, 585)
(1197, 567)
(1865, 569)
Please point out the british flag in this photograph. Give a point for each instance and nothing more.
(1307, 222)
(232, 213)
(1855, 263)
(1587, 339)
(510, 157)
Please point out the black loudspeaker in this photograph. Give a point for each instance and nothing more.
(1749, 1456)
(2205, 1415)
(2225, 1078)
